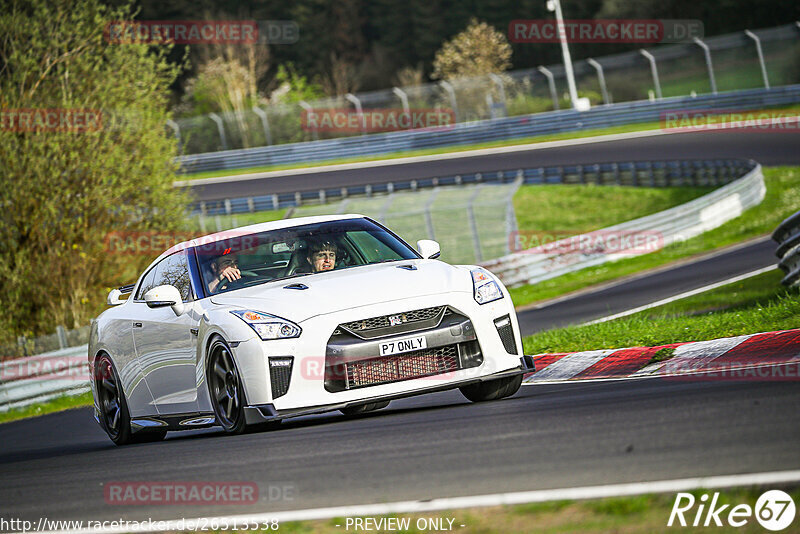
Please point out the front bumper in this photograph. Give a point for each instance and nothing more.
(266, 413)
(306, 392)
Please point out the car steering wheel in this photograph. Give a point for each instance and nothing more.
(236, 284)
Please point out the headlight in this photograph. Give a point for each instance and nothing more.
(268, 326)
(485, 289)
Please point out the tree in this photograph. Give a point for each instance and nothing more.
(476, 51)
(104, 166)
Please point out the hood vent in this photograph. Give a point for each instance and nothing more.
(297, 285)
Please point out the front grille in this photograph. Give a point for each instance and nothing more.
(280, 373)
(374, 323)
(506, 332)
(417, 364)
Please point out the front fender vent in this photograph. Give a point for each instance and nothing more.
(506, 333)
(280, 374)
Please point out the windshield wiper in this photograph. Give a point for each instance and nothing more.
(381, 261)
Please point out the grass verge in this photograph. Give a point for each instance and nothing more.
(556, 211)
(644, 126)
(632, 515)
(781, 200)
(757, 304)
(56, 405)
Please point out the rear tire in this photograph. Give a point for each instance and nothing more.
(364, 408)
(114, 415)
(225, 388)
(492, 389)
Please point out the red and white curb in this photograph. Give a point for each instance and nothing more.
(735, 358)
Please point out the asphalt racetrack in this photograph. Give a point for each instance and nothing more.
(649, 287)
(546, 436)
(552, 436)
(768, 148)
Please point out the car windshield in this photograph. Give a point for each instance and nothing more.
(246, 259)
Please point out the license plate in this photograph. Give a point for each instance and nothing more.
(403, 345)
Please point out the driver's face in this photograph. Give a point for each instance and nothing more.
(323, 260)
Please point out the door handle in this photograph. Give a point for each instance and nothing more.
(137, 325)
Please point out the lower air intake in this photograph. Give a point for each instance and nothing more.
(417, 364)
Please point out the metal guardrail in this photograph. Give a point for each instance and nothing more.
(486, 130)
(787, 235)
(62, 338)
(667, 173)
(670, 226)
(26, 381)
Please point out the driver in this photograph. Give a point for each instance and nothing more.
(322, 255)
(224, 268)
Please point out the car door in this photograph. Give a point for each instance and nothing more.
(166, 344)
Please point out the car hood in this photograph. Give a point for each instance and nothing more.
(349, 288)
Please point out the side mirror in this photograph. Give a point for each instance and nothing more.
(114, 297)
(429, 249)
(163, 296)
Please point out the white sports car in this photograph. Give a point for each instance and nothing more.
(295, 317)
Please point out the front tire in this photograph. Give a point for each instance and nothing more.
(492, 389)
(225, 388)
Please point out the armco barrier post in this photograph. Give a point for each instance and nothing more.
(709, 65)
(220, 128)
(653, 70)
(760, 53)
(501, 88)
(473, 225)
(61, 332)
(601, 79)
(264, 123)
(308, 109)
(404, 100)
(359, 110)
(550, 82)
(176, 130)
(452, 95)
(428, 216)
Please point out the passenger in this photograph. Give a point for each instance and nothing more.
(223, 268)
(322, 255)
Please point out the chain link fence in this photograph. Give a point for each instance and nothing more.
(60, 339)
(743, 60)
(471, 222)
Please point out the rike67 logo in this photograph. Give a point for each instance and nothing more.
(774, 510)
